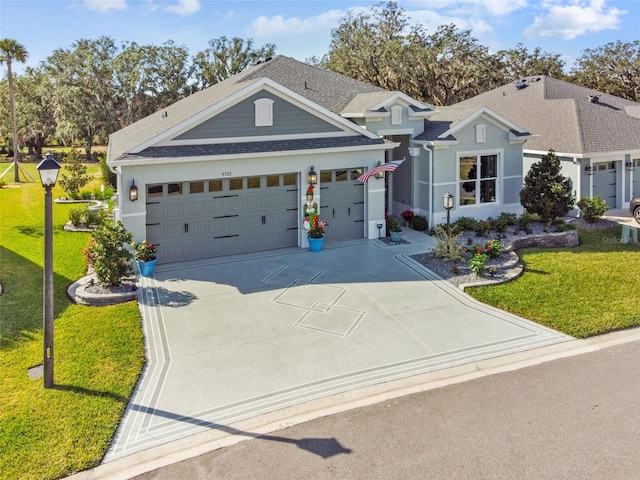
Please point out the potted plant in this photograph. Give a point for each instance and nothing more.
(408, 216)
(144, 254)
(395, 230)
(315, 235)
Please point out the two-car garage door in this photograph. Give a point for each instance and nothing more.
(209, 218)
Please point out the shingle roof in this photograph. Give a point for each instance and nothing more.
(563, 116)
(327, 89)
(174, 151)
(444, 119)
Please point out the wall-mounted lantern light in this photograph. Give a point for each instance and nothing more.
(629, 165)
(133, 192)
(379, 175)
(589, 169)
(312, 178)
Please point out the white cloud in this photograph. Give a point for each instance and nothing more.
(279, 26)
(105, 5)
(431, 20)
(574, 20)
(473, 8)
(184, 8)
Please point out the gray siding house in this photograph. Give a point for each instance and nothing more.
(226, 169)
(595, 135)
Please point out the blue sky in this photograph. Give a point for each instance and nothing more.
(302, 28)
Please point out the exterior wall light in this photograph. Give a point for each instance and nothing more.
(312, 178)
(379, 175)
(133, 192)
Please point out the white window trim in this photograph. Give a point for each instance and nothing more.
(499, 178)
(264, 112)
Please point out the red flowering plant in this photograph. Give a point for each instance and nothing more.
(408, 215)
(144, 251)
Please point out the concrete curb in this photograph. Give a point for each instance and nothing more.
(195, 445)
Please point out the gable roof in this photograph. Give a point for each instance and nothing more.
(329, 90)
(565, 116)
(447, 121)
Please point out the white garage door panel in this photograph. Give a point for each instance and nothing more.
(175, 210)
(197, 207)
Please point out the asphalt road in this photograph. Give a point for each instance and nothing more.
(573, 418)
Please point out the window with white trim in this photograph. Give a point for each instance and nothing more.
(396, 115)
(478, 179)
(264, 112)
(481, 133)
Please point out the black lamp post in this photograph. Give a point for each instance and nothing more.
(447, 200)
(48, 169)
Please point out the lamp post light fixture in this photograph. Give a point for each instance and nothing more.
(312, 178)
(48, 169)
(133, 192)
(447, 200)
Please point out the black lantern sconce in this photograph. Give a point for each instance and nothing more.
(589, 169)
(379, 175)
(133, 192)
(629, 165)
(312, 178)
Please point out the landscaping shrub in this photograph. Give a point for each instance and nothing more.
(420, 223)
(494, 248)
(76, 216)
(110, 260)
(78, 178)
(524, 222)
(447, 246)
(546, 191)
(108, 177)
(467, 223)
(484, 227)
(478, 263)
(592, 208)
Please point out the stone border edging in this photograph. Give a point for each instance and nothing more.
(548, 240)
(77, 292)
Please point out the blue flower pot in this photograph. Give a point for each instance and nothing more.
(396, 237)
(146, 268)
(315, 244)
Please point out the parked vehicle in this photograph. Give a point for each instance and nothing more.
(635, 208)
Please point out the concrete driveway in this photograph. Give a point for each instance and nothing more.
(236, 337)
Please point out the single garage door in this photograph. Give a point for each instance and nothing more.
(208, 218)
(604, 182)
(342, 203)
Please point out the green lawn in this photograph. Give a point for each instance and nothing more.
(99, 353)
(582, 291)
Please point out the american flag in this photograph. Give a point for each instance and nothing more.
(385, 167)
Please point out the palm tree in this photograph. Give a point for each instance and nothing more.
(12, 50)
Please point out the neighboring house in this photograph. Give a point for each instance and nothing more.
(595, 135)
(226, 169)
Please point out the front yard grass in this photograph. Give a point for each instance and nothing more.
(582, 291)
(99, 352)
